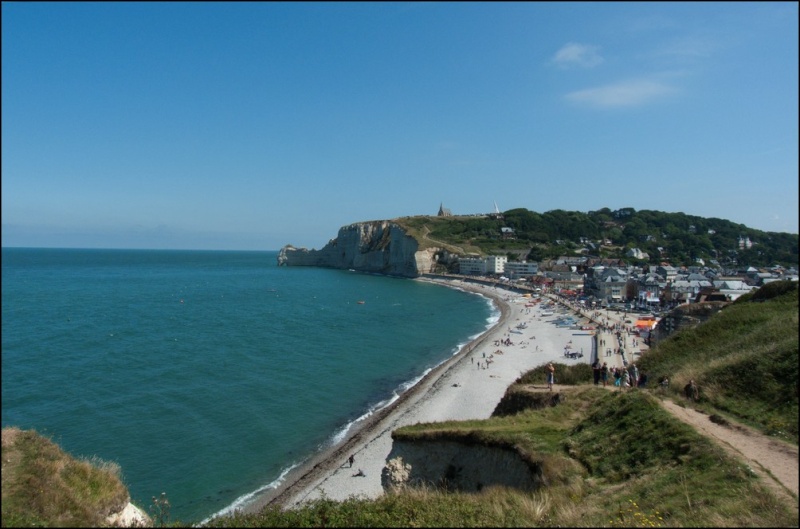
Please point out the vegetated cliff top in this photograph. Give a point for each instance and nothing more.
(674, 237)
(43, 486)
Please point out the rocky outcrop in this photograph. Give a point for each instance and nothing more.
(381, 247)
(130, 516)
(458, 465)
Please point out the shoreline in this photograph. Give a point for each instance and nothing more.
(457, 389)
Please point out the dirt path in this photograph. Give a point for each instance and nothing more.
(774, 461)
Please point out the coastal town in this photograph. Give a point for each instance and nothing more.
(619, 283)
(611, 283)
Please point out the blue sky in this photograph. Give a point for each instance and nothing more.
(252, 125)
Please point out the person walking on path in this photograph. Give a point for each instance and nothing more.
(596, 372)
(551, 376)
(604, 373)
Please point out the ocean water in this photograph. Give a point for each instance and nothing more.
(207, 375)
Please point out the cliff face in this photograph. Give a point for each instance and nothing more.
(458, 466)
(379, 246)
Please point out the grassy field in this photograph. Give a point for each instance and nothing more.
(609, 458)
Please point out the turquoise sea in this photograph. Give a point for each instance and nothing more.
(207, 375)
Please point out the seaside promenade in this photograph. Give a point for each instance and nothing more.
(615, 341)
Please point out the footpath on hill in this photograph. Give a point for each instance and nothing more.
(774, 461)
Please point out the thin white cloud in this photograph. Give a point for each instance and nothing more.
(580, 55)
(630, 93)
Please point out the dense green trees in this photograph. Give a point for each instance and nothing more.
(676, 238)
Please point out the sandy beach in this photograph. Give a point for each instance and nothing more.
(465, 387)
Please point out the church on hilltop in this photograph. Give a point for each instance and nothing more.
(496, 214)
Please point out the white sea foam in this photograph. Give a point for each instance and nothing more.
(245, 499)
(341, 434)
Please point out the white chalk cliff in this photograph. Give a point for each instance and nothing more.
(380, 246)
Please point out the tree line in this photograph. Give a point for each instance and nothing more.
(676, 238)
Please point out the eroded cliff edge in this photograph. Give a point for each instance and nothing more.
(382, 247)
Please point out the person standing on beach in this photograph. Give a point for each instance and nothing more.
(551, 376)
(351, 460)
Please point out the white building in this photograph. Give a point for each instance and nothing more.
(494, 264)
(521, 269)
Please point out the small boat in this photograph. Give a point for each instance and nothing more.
(361, 302)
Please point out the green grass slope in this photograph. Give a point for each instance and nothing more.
(744, 360)
(42, 486)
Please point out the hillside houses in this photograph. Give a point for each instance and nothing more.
(612, 281)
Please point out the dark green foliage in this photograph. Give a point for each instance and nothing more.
(682, 237)
(628, 433)
(770, 291)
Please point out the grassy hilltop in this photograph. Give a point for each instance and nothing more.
(674, 237)
(609, 458)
